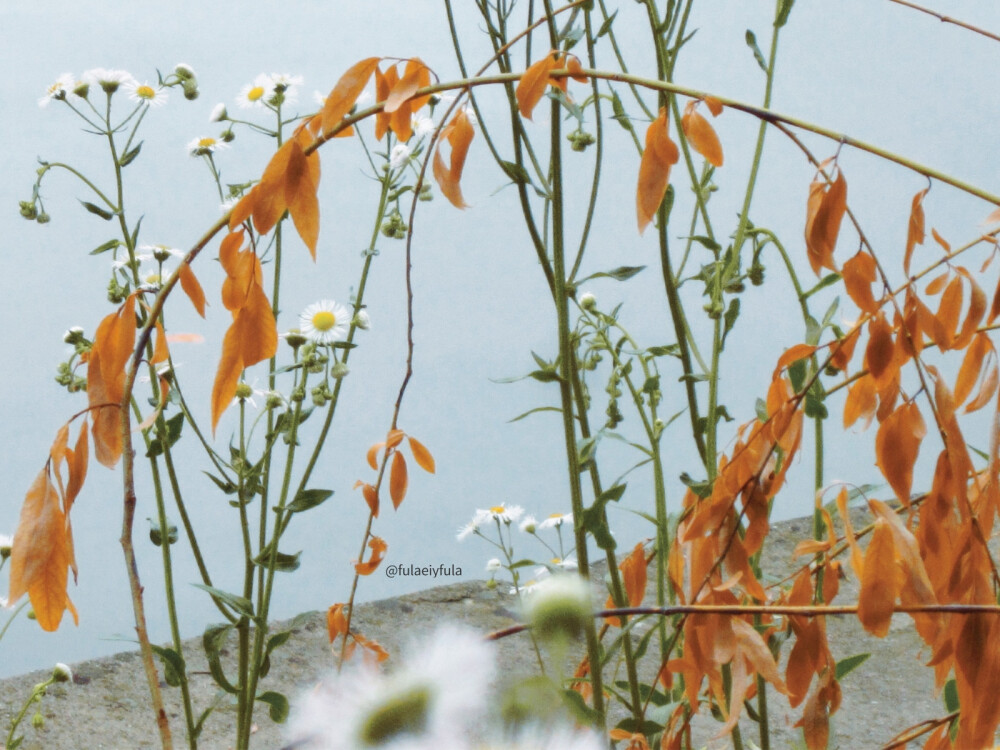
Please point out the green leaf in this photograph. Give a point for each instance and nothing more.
(307, 499)
(212, 641)
(278, 704)
(533, 411)
(238, 603)
(848, 665)
(814, 406)
(693, 378)
(813, 331)
(585, 450)
(544, 376)
(758, 55)
(584, 713)
(670, 350)
(730, 318)
(273, 642)
(516, 172)
(594, 519)
(707, 242)
(227, 487)
(98, 211)
(173, 664)
(283, 563)
(156, 534)
(950, 694)
(700, 488)
(622, 273)
(606, 26)
(829, 280)
(129, 156)
(797, 374)
(760, 407)
(109, 245)
(652, 384)
(135, 232)
(619, 112)
(173, 434)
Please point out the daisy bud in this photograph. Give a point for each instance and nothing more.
(183, 71)
(72, 336)
(361, 320)
(243, 391)
(28, 210)
(339, 370)
(81, 89)
(219, 113)
(588, 301)
(6, 544)
(62, 673)
(493, 565)
(559, 607)
(227, 135)
(190, 90)
(43, 218)
(295, 339)
(37, 720)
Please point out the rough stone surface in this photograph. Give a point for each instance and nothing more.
(107, 704)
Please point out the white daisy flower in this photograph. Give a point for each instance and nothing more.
(62, 673)
(124, 262)
(219, 113)
(467, 530)
(325, 321)
(400, 156)
(159, 252)
(286, 84)
(59, 90)
(530, 586)
(362, 320)
(560, 605)
(529, 525)
(556, 564)
(144, 92)
(246, 392)
(253, 95)
(504, 514)
(205, 146)
(493, 565)
(438, 693)
(6, 544)
(556, 520)
(108, 80)
(422, 126)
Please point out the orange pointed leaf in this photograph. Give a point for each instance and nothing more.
(421, 455)
(531, 87)
(879, 583)
(372, 455)
(191, 287)
(897, 445)
(346, 92)
(658, 157)
(371, 497)
(701, 135)
(858, 274)
(414, 77)
(915, 231)
(336, 622)
(398, 479)
(972, 365)
(378, 548)
(459, 134)
(825, 211)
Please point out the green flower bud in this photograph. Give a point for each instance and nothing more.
(28, 210)
(559, 607)
(339, 370)
(37, 720)
(43, 218)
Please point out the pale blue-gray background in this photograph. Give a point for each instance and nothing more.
(873, 69)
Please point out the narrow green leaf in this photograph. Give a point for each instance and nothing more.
(606, 26)
(519, 417)
(622, 273)
(238, 603)
(129, 156)
(283, 563)
(849, 664)
(227, 487)
(307, 499)
(950, 694)
(732, 313)
(135, 232)
(98, 211)
(829, 280)
(784, 8)
(518, 174)
(173, 664)
(670, 350)
(212, 641)
(109, 245)
(619, 112)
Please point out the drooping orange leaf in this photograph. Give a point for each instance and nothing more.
(793, 354)
(394, 438)
(372, 455)
(752, 646)
(915, 230)
(384, 83)
(634, 578)
(658, 157)
(398, 479)
(421, 455)
(940, 240)
(701, 135)
(459, 134)
(531, 87)
(988, 387)
(40, 556)
(948, 314)
(825, 211)
(858, 274)
(977, 308)
(191, 287)
(879, 582)
(879, 354)
(112, 348)
(843, 349)
(713, 104)
(346, 92)
(77, 468)
(857, 559)
(935, 285)
(336, 622)
(810, 547)
(371, 497)
(897, 445)
(414, 77)
(301, 184)
(160, 351)
(378, 547)
(971, 367)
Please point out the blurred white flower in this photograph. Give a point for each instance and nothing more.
(493, 565)
(108, 80)
(529, 525)
(253, 95)
(205, 146)
(556, 520)
(438, 694)
(400, 156)
(58, 90)
(422, 126)
(219, 113)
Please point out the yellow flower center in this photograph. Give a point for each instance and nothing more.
(153, 278)
(324, 320)
(206, 142)
(555, 515)
(556, 561)
(255, 93)
(145, 92)
(498, 509)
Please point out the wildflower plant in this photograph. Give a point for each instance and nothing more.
(720, 623)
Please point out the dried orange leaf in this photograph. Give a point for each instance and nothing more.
(378, 548)
(459, 134)
(531, 87)
(421, 455)
(971, 367)
(373, 455)
(191, 287)
(343, 96)
(880, 352)
(825, 211)
(879, 582)
(398, 479)
(897, 445)
(793, 354)
(416, 75)
(658, 157)
(701, 135)
(811, 547)
(713, 104)
(858, 274)
(860, 402)
(371, 497)
(336, 622)
(915, 231)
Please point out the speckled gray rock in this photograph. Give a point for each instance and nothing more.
(107, 706)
